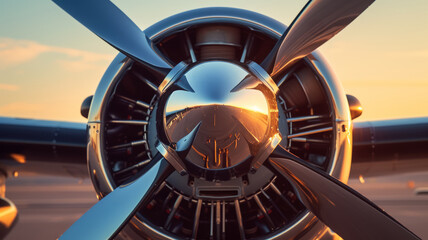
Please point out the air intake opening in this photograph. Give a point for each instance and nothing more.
(220, 193)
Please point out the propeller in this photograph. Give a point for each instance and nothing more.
(341, 208)
(109, 23)
(318, 21)
(106, 218)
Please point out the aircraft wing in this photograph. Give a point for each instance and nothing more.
(42, 147)
(390, 147)
(59, 148)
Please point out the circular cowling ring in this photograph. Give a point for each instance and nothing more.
(101, 175)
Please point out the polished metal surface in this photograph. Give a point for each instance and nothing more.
(354, 106)
(109, 23)
(96, 163)
(114, 73)
(235, 120)
(257, 70)
(99, 174)
(171, 78)
(339, 163)
(343, 209)
(327, 129)
(319, 21)
(131, 122)
(172, 157)
(8, 216)
(215, 15)
(84, 108)
(109, 215)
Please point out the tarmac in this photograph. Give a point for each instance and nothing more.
(49, 205)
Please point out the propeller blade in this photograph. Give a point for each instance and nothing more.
(341, 208)
(106, 218)
(318, 21)
(109, 23)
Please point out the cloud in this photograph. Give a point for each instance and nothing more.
(8, 87)
(14, 52)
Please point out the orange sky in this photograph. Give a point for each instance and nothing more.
(49, 63)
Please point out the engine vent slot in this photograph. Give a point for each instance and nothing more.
(218, 193)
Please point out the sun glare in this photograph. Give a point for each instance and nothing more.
(256, 109)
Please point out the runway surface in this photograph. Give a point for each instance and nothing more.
(49, 205)
(225, 137)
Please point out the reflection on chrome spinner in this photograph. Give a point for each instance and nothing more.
(234, 117)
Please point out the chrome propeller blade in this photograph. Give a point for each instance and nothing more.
(108, 22)
(106, 218)
(318, 21)
(341, 208)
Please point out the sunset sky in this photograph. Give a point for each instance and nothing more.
(49, 62)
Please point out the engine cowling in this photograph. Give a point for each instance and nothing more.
(219, 196)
